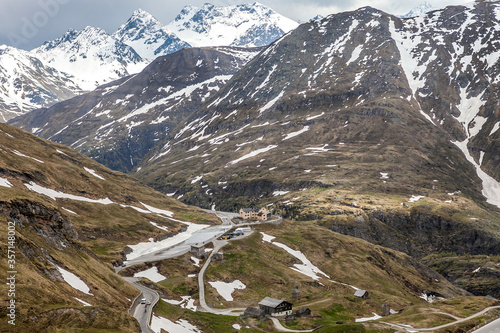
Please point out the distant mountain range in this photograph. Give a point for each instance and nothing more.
(359, 73)
(245, 25)
(89, 58)
(27, 84)
(117, 124)
(360, 123)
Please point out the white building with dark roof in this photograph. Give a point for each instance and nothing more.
(275, 307)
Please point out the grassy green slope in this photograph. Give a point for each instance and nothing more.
(391, 278)
(85, 238)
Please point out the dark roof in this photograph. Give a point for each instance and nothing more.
(271, 302)
(254, 312)
(303, 311)
(253, 209)
(360, 293)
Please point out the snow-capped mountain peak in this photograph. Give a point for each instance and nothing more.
(141, 13)
(88, 58)
(90, 55)
(27, 84)
(421, 9)
(240, 25)
(147, 36)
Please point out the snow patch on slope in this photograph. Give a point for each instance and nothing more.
(226, 289)
(253, 154)
(74, 281)
(306, 268)
(151, 274)
(159, 324)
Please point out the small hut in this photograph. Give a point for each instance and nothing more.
(362, 294)
(219, 256)
(198, 251)
(254, 313)
(386, 311)
(303, 312)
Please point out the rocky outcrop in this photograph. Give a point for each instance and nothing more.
(46, 222)
(420, 234)
(478, 275)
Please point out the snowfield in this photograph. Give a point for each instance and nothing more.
(93, 173)
(186, 302)
(226, 289)
(74, 281)
(152, 246)
(306, 268)
(151, 274)
(4, 182)
(53, 194)
(159, 324)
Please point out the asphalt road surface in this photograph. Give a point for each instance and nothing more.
(493, 327)
(143, 312)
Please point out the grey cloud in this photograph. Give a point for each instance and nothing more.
(28, 23)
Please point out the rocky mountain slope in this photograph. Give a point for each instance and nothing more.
(366, 122)
(27, 84)
(91, 56)
(460, 57)
(148, 37)
(246, 25)
(355, 101)
(118, 123)
(72, 218)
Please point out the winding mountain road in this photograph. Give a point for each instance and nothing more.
(204, 236)
(218, 244)
(143, 312)
(432, 329)
(210, 234)
(231, 311)
(281, 328)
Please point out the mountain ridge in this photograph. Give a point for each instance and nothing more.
(148, 36)
(28, 84)
(351, 84)
(92, 57)
(121, 121)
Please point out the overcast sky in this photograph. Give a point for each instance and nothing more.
(27, 24)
